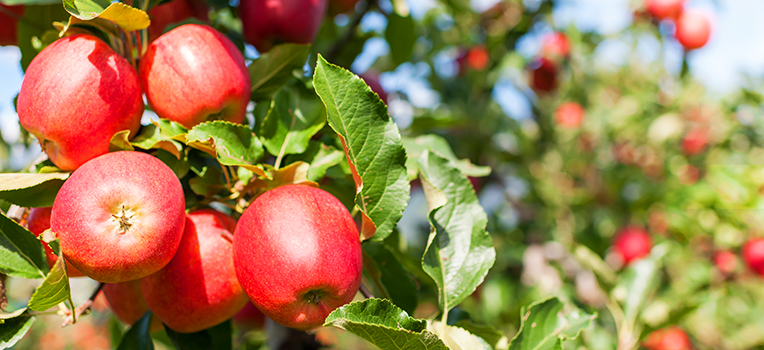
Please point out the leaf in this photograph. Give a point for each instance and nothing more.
(459, 251)
(544, 325)
(36, 23)
(120, 142)
(54, 290)
(21, 253)
(321, 157)
(152, 137)
(86, 9)
(13, 329)
(439, 145)
(372, 144)
(457, 338)
(493, 337)
(393, 277)
(641, 279)
(138, 336)
(292, 174)
(273, 69)
(296, 114)
(171, 129)
(401, 35)
(126, 17)
(30, 2)
(384, 325)
(217, 337)
(232, 144)
(31, 190)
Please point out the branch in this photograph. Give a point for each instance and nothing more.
(345, 39)
(365, 292)
(83, 309)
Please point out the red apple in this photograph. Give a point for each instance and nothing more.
(669, 338)
(726, 261)
(661, 9)
(127, 302)
(193, 74)
(340, 6)
(120, 216)
(555, 46)
(693, 29)
(371, 77)
(76, 94)
(270, 22)
(632, 243)
(753, 255)
(543, 75)
(39, 221)
(9, 24)
(695, 141)
(173, 12)
(298, 255)
(569, 115)
(198, 289)
(249, 318)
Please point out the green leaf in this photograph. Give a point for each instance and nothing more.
(31, 190)
(372, 145)
(36, 23)
(125, 16)
(179, 166)
(152, 137)
(232, 144)
(493, 337)
(457, 338)
(459, 251)
(54, 290)
(120, 141)
(296, 114)
(217, 337)
(86, 9)
(384, 325)
(401, 35)
(439, 145)
(21, 253)
(393, 277)
(321, 157)
(170, 129)
(13, 329)
(30, 2)
(138, 336)
(273, 69)
(207, 183)
(544, 325)
(641, 279)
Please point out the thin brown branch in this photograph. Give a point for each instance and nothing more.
(82, 309)
(365, 292)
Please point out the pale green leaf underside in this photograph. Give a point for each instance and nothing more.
(544, 325)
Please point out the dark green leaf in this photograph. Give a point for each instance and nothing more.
(232, 144)
(217, 337)
(179, 166)
(439, 145)
(273, 69)
(21, 253)
(321, 157)
(31, 190)
(13, 329)
(54, 290)
(37, 23)
(544, 325)
(394, 278)
(401, 37)
(138, 336)
(296, 114)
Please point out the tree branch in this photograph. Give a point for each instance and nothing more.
(83, 309)
(345, 39)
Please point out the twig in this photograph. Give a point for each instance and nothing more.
(345, 39)
(83, 309)
(365, 292)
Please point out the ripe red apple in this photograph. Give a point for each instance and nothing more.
(632, 243)
(173, 12)
(555, 46)
(270, 22)
(753, 255)
(371, 77)
(569, 115)
(543, 75)
(193, 74)
(661, 9)
(695, 141)
(340, 6)
(120, 216)
(127, 302)
(39, 221)
(249, 318)
(726, 261)
(669, 338)
(9, 24)
(198, 289)
(693, 29)
(298, 255)
(76, 94)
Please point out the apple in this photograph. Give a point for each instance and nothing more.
(270, 22)
(249, 318)
(9, 24)
(726, 261)
(340, 6)
(37, 222)
(476, 58)
(695, 141)
(198, 289)
(569, 115)
(669, 338)
(120, 216)
(555, 46)
(753, 255)
(76, 94)
(298, 255)
(127, 302)
(371, 77)
(661, 9)
(543, 75)
(173, 12)
(205, 66)
(631, 243)
(693, 29)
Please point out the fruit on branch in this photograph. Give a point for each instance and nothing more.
(555, 46)
(76, 94)
(669, 338)
(198, 289)
(127, 302)
(543, 75)
(726, 261)
(194, 74)
(371, 77)
(693, 29)
(695, 141)
(340, 6)
(661, 9)
(39, 221)
(476, 58)
(298, 255)
(249, 318)
(267, 23)
(120, 216)
(9, 24)
(173, 12)
(631, 243)
(753, 255)
(569, 115)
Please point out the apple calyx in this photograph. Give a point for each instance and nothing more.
(314, 296)
(123, 220)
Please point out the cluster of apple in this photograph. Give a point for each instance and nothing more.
(693, 28)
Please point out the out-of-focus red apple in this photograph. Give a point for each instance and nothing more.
(198, 289)
(632, 243)
(298, 255)
(693, 29)
(753, 255)
(76, 94)
(661, 9)
(127, 302)
(9, 24)
(695, 141)
(543, 75)
(120, 216)
(249, 318)
(477, 57)
(569, 115)
(371, 77)
(194, 74)
(555, 46)
(340, 6)
(270, 22)
(726, 261)
(669, 338)
(39, 221)
(688, 174)
(173, 12)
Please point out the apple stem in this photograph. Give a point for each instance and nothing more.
(365, 292)
(83, 309)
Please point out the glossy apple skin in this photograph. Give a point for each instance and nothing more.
(753, 255)
(695, 142)
(198, 289)
(9, 24)
(76, 94)
(693, 29)
(270, 22)
(669, 338)
(193, 74)
(632, 243)
(173, 12)
(298, 255)
(569, 115)
(37, 222)
(661, 9)
(543, 75)
(87, 209)
(127, 302)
